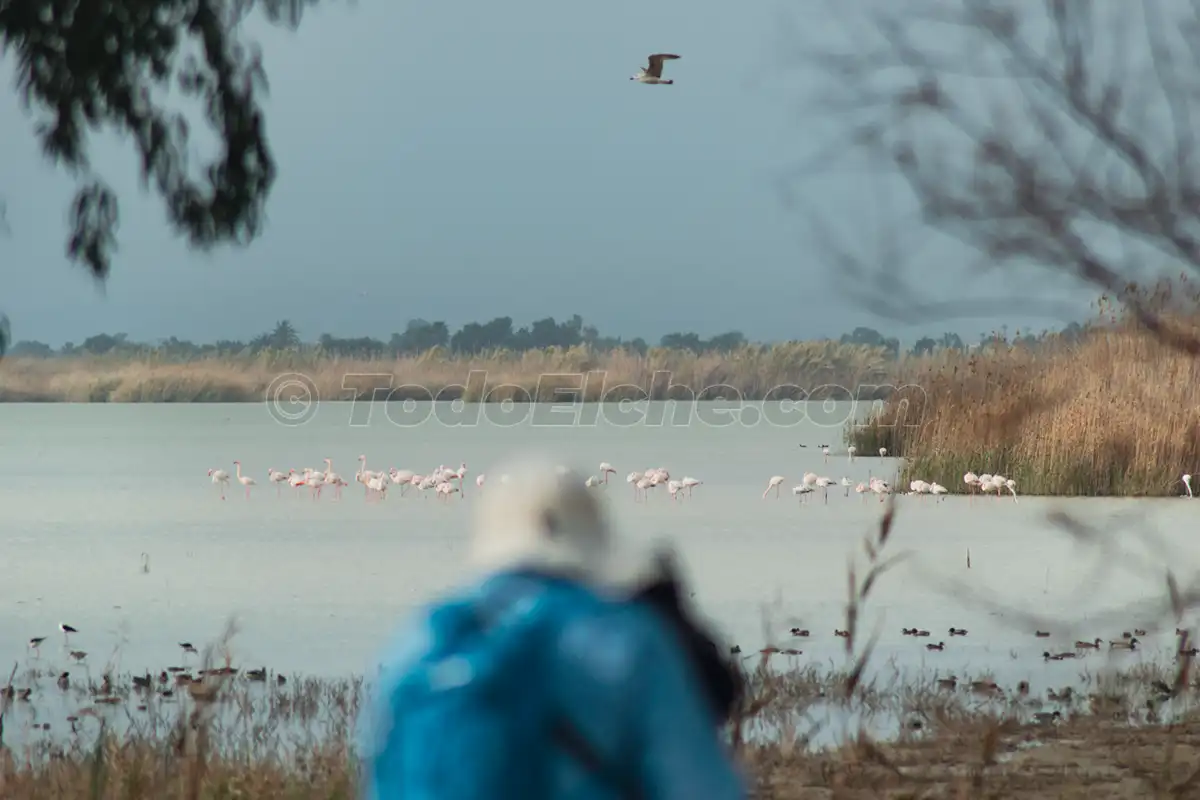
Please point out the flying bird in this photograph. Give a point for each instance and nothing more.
(652, 72)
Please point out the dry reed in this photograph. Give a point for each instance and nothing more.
(820, 368)
(1112, 413)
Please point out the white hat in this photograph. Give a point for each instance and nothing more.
(544, 517)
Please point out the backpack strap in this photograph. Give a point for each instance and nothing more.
(491, 607)
(572, 740)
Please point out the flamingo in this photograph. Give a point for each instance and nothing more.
(847, 484)
(851, 451)
(276, 477)
(479, 480)
(377, 484)
(314, 481)
(985, 482)
(882, 452)
(337, 482)
(402, 478)
(802, 490)
(972, 481)
(605, 469)
(862, 489)
(458, 474)
(880, 488)
(330, 475)
(244, 480)
(365, 475)
(642, 487)
(937, 490)
(773, 483)
(221, 478)
(1011, 485)
(673, 488)
(999, 482)
(824, 483)
(445, 489)
(825, 452)
(689, 484)
(295, 479)
(1187, 481)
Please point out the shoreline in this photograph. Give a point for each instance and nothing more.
(298, 737)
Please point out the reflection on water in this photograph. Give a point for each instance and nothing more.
(317, 587)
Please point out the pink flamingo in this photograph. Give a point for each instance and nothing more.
(774, 483)
(278, 478)
(365, 476)
(221, 478)
(460, 473)
(244, 480)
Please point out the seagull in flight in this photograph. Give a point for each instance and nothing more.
(652, 72)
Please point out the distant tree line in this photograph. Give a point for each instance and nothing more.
(474, 338)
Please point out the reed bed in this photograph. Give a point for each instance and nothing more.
(820, 368)
(1112, 413)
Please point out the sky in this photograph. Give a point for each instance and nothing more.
(459, 162)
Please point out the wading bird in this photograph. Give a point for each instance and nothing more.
(220, 478)
(244, 480)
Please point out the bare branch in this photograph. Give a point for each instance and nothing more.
(1057, 135)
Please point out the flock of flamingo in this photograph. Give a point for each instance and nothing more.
(446, 481)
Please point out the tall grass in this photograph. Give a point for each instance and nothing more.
(824, 368)
(1113, 413)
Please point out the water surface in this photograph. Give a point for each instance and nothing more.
(318, 587)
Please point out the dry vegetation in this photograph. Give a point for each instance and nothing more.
(1112, 414)
(752, 370)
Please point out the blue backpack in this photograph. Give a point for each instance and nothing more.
(471, 717)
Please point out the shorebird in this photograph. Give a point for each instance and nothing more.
(66, 629)
(35, 643)
(187, 647)
(652, 72)
(773, 484)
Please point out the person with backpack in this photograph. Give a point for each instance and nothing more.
(566, 668)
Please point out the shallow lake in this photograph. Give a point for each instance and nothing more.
(318, 587)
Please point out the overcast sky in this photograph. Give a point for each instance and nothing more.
(463, 161)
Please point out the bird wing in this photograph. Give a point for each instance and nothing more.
(656, 63)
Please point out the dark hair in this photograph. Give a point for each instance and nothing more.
(721, 680)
